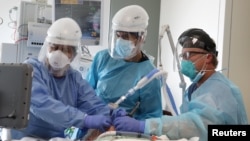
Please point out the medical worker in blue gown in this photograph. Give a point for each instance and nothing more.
(117, 69)
(61, 98)
(210, 99)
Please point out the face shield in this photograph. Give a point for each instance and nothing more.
(188, 42)
(128, 32)
(176, 59)
(59, 33)
(124, 45)
(42, 56)
(57, 60)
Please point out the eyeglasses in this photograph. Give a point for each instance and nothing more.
(187, 55)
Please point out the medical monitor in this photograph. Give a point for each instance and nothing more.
(87, 13)
(15, 92)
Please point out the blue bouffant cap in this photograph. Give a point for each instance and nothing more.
(197, 38)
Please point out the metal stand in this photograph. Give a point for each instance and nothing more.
(166, 29)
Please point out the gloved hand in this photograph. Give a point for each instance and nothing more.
(119, 112)
(126, 123)
(100, 122)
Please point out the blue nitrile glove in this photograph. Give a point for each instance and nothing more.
(100, 122)
(119, 112)
(126, 123)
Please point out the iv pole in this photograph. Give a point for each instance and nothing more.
(166, 28)
(169, 100)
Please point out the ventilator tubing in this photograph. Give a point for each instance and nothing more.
(144, 81)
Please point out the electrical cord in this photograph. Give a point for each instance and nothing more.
(13, 22)
(1, 20)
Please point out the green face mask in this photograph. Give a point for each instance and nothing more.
(188, 69)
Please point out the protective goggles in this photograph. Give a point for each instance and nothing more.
(187, 55)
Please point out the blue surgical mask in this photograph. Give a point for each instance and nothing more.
(123, 48)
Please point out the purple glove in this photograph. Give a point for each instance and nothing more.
(100, 122)
(118, 113)
(126, 123)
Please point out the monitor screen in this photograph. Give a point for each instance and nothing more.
(15, 92)
(86, 13)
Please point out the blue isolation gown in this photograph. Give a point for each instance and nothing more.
(112, 78)
(216, 101)
(59, 103)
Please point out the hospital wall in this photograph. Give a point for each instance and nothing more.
(227, 21)
(238, 48)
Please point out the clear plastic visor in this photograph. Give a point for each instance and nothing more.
(187, 42)
(177, 59)
(123, 45)
(47, 47)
